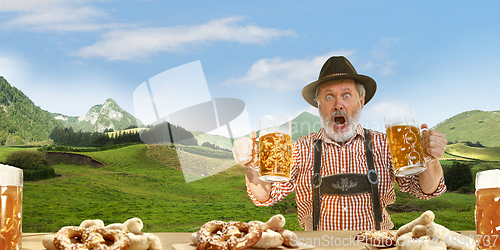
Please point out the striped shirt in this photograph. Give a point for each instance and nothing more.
(343, 212)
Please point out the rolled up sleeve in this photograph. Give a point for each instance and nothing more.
(411, 185)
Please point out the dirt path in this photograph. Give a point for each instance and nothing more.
(72, 158)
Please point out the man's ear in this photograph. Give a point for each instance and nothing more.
(362, 101)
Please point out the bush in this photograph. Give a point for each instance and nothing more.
(32, 162)
(466, 189)
(26, 159)
(39, 173)
(458, 175)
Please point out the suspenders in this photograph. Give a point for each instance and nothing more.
(345, 184)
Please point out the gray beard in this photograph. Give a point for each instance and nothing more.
(348, 133)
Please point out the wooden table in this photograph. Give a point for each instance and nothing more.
(342, 240)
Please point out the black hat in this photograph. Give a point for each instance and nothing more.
(337, 67)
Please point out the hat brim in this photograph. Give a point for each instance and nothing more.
(309, 91)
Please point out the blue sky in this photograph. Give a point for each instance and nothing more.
(437, 57)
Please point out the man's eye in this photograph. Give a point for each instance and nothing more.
(329, 97)
(347, 95)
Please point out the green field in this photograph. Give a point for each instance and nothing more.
(146, 182)
(483, 154)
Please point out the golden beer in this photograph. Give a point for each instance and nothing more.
(10, 219)
(275, 156)
(488, 218)
(406, 150)
(488, 209)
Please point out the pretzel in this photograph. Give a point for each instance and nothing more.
(98, 238)
(210, 236)
(252, 235)
(63, 238)
(233, 235)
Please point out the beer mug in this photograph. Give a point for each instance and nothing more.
(405, 144)
(11, 184)
(488, 209)
(275, 148)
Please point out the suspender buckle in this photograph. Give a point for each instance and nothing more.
(316, 180)
(372, 171)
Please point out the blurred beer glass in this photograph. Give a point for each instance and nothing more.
(405, 144)
(488, 209)
(275, 148)
(11, 185)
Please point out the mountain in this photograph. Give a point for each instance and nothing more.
(21, 121)
(304, 124)
(473, 126)
(99, 118)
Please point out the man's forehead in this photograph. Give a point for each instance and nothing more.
(343, 84)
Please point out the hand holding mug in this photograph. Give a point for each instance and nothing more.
(245, 151)
(271, 153)
(434, 143)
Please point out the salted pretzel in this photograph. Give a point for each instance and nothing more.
(100, 238)
(95, 238)
(70, 238)
(219, 235)
(252, 233)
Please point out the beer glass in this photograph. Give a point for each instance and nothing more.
(275, 148)
(11, 185)
(488, 209)
(405, 144)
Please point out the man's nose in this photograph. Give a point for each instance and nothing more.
(338, 106)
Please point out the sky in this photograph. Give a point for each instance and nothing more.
(439, 58)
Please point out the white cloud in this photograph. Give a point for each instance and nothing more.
(284, 74)
(139, 43)
(63, 16)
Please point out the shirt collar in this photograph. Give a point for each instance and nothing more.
(322, 136)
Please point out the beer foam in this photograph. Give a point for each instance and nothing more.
(10, 176)
(401, 117)
(488, 179)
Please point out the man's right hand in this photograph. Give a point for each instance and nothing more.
(245, 151)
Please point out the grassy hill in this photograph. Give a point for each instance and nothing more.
(483, 154)
(304, 124)
(221, 141)
(21, 121)
(473, 126)
(146, 182)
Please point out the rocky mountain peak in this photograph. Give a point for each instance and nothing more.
(100, 117)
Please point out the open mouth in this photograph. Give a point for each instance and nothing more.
(339, 120)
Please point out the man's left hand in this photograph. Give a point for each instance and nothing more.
(434, 142)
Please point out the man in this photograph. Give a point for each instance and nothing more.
(343, 149)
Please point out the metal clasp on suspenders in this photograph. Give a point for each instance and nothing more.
(316, 180)
(372, 171)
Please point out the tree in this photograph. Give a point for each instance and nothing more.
(458, 175)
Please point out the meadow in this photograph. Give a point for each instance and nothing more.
(146, 182)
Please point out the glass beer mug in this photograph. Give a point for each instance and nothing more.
(405, 144)
(488, 209)
(275, 148)
(11, 185)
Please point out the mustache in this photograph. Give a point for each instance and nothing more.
(336, 113)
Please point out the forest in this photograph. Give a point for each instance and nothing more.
(164, 133)
(21, 121)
